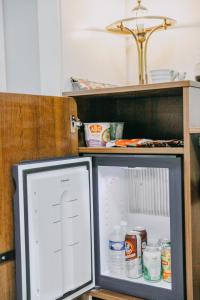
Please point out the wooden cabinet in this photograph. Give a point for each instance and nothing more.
(162, 111)
(36, 127)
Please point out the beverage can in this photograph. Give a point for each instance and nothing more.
(152, 264)
(133, 254)
(143, 234)
(166, 263)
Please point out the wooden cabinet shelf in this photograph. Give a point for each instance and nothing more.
(163, 150)
(135, 88)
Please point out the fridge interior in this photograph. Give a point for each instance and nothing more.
(139, 196)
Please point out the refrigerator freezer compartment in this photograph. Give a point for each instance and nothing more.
(149, 191)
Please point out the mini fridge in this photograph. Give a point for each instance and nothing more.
(65, 210)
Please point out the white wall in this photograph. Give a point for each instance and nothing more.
(177, 48)
(22, 47)
(2, 51)
(97, 56)
(49, 31)
(32, 34)
(46, 42)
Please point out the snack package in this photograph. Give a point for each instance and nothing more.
(145, 143)
(132, 143)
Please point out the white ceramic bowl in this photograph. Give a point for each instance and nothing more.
(161, 72)
(158, 80)
(162, 75)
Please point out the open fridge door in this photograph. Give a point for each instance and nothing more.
(53, 229)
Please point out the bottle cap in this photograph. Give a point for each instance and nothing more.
(139, 228)
(133, 232)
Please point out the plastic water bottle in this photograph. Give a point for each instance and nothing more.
(117, 252)
(123, 225)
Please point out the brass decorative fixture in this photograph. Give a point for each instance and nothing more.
(141, 26)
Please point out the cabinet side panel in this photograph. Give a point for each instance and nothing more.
(31, 127)
(194, 108)
(192, 190)
(187, 197)
(195, 194)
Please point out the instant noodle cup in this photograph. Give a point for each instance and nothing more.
(97, 134)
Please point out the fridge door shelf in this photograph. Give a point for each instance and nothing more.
(61, 219)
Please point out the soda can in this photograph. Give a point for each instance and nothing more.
(166, 263)
(133, 254)
(152, 264)
(143, 233)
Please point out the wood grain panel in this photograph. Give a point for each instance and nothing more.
(194, 107)
(31, 127)
(7, 279)
(195, 130)
(195, 198)
(135, 88)
(187, 197)
(139, 150)
(192, 201)
(109, 295)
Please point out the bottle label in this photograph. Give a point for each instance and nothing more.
(117, 246)
(131, 249)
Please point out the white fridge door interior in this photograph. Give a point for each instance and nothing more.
(60, 234)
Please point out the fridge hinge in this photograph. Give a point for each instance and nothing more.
(75, 124)
(7, 256)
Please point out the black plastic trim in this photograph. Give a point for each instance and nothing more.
(18, 261)
(7, 256)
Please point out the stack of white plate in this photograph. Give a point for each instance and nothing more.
(162, 75)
